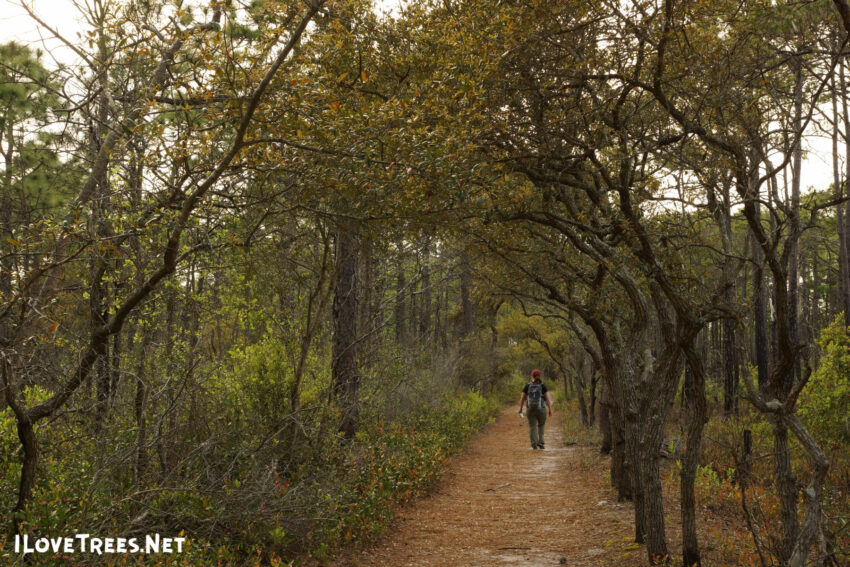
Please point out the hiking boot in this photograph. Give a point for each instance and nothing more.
(534, 447)
(540, 446)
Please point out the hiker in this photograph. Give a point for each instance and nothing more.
(536, 394)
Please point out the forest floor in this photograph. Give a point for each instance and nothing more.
(502, 504)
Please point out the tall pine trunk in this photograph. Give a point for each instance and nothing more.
(400, 308)
(760, 312)
(794, 256)
(425, 300)
(345, 375)
(844, 216)
(468, 315)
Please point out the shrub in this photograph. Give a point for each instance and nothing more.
(825, 403)
(263, 378)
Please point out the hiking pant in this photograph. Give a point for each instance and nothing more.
(536, 421)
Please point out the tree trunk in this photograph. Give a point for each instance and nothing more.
(6, 260)
(635, 466)
(437, 313)
(29, 465)
(814, 317)
(594, 380)
(721, 210)
(805, 332)
(786, 486)
(688, 393)
(690, 542)
(782, 368)
(97, 304)
(468, 315)
(620, 470)
(115, 367)
(605, 421)
(99, 294)
(658, 384)
(794, 244)
(838, 191)
(578, 380)
(345, 375)
(444, 327)
(139, 407)
(166, 335)
(425, 305)
(29, 444)
(365, 315)
(760, 311)
(844, 219)
(98, 315)
(400, 312)
(730, 363)
(656, 539)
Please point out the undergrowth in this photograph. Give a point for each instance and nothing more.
(344, 495)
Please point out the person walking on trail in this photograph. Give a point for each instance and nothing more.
(536, 396)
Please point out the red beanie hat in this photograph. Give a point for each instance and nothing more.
(535, 372)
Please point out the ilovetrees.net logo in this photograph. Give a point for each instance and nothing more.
(85, 543)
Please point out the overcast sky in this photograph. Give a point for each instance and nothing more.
(61, 15)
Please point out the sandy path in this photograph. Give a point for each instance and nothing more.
(501, 503)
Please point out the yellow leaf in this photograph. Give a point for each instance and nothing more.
(363, 76)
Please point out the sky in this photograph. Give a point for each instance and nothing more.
(63, 16)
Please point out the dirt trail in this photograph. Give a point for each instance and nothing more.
(502, 504)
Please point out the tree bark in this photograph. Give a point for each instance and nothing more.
(760, 310)
(29, 444)
(467, 313)
(29, 466)
(794, 244)
(721, 211)
(844, 219)
(98, 314)
(690, 542)
(838, 191)
(730, 366)
(594, 381)
(688, 393)
(578, 379)
(139, 407)
(620, 469)
(786, 486)
(635, 466)
(345, 375)
(814, 318)
(365, 314)
(605, 421)
(400, 308)
(425, 300)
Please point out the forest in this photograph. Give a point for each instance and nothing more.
(268, 266)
